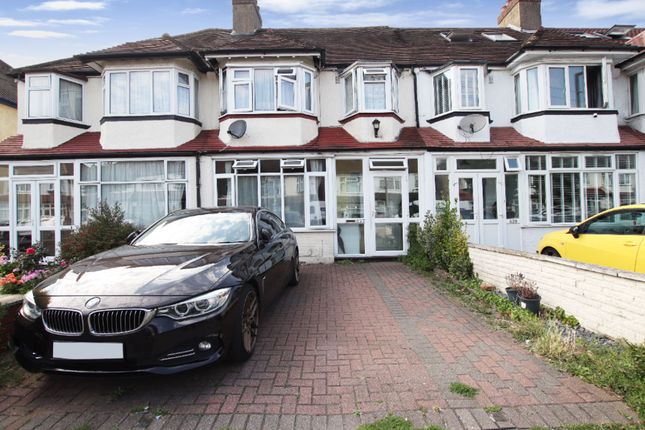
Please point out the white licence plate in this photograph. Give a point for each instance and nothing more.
(88, 350)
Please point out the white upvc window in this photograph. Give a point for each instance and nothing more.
(577, 86)
(567, 188)
(150, 92)
(368, 88)
(268, 89)
(54, 96)
(465, 94)
(295, 189)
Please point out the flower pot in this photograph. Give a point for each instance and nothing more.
(511, 293)
(531, 305)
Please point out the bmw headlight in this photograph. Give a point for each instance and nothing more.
(29, 308)
(197, 306)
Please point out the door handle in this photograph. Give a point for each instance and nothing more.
(630, 243)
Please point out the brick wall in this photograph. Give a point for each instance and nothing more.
(607, 301)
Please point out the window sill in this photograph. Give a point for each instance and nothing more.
(364, 114)
(458, 113)
(127, 118)
(57, 121)
(553, 112)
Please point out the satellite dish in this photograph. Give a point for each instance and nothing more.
(472, 124)
(237, 128)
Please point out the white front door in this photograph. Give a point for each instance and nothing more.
(388, 199)
(479, 201)
(35, 214)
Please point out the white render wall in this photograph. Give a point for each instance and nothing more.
(607, 301)
(316, 246)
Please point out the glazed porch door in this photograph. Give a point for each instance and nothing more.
(388, 206)
(35, 215)
(479, 205)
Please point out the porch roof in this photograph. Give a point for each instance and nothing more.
(330, 139)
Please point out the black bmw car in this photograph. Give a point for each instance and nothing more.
(185, 293)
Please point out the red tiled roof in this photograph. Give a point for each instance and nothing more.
(330, 139)
(88, 145)
(507, 138)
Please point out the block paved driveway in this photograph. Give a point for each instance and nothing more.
(350, 344)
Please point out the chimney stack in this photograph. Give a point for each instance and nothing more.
(521, 14)
(246, 17)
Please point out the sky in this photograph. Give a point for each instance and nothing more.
(34, 31)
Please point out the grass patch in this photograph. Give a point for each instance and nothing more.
(393, 422)
(463, 389)
(11, 374)
(619, 367)
(493, 409)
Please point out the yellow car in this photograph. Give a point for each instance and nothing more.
(613, 238)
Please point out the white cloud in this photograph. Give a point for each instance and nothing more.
(67, 5)
(40, 34)
(10, 22)
(599, 9)
(193, 11)
(79, 22)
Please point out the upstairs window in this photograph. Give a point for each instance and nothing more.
(268, 89)
(576, 86)
(370, 89)
(150, 92)
(52, 96)
(466, 94)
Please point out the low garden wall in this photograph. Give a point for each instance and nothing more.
(608, 301)
(9, 305)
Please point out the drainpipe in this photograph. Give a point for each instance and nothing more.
(416, 97)
(198, 173)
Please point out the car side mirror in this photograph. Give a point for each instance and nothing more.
(265, 235)
(132, 236)
(575, 231)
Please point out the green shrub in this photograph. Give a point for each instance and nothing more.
(105, 230)
(463, 389)
(416, 258)
(445, 242)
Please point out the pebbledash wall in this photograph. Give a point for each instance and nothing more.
(606, 301)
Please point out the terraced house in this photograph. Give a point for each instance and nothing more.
(350, 135)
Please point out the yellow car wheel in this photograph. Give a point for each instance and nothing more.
(550, 252)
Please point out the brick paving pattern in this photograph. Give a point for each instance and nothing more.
(349, 345)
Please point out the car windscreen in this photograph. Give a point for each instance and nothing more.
(201, 229)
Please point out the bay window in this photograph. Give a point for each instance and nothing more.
(576, 86)
(533, 93)
(151, 92)
(442, 97)
(267, 89)
(54, 96)
(146, 190)
(370, 88)
(465, 95)
(293, 189)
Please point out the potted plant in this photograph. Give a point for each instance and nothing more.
(528, 296)
(514, 281)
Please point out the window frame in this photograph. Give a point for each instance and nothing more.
(454, 75)
(54, 96)
(174, 85)
(638, 77)
(356, 72)
(286, 170)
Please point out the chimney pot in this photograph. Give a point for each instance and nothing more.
(246, 17)
(522, 14)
